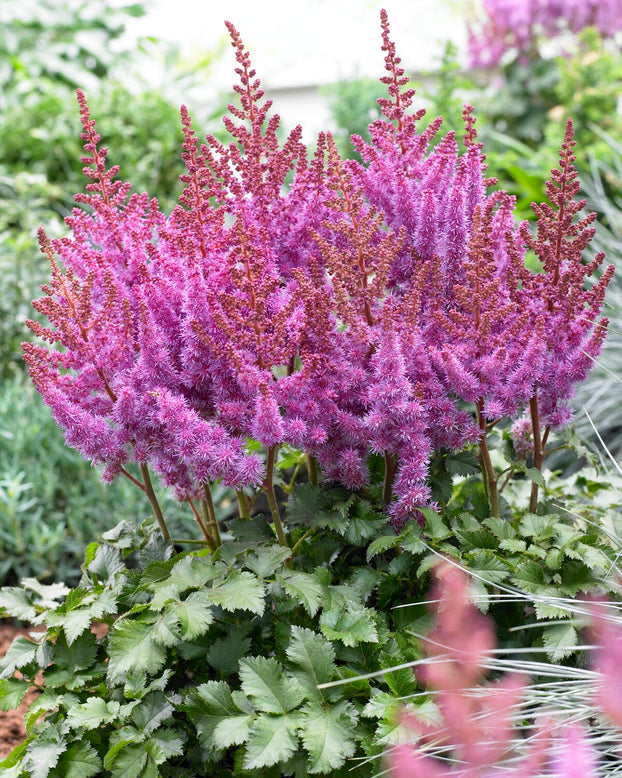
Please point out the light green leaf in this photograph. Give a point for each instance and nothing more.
(351, 626)
(271, 739)
(80, 761)
(49, 594)
(303, 588)
(267, 686)
(241, 591)
(17, 603)
(12, 691)
(193, 572)
(92, 713)
(314, 656)
(195, 614)
(42, 756)
(267, 560)
(560, 640)
(21, 652)
(132, 649)
(166, 629)
(233, 731)
(208, 706)
(327, 734)
(487, 565)
(164, 744)
(382, 544)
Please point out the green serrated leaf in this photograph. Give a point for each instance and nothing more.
(42, 756)
(129, 762)
(351, 626)
(132, 649)
(513, 545)
(267, 686)
(163, 744)
(166, 630)
(382, 544)
(224, 654)
(12, 691)
(501, 528)
(153, 711)
(21, 652)
(17, 603)
(560, 640)
(194, 614)
(328, 735)
(80, 760)
(232, 731)
(304, 588)
(209, 705)
(271, 739)
(535, 475)
(92, 713)
(241, 591)
(314, 657)
(193, 572)
(80, 655)
(267, 560)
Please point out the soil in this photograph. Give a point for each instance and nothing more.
(12, 730)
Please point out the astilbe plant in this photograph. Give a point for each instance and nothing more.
(346, 309)
(518, 26)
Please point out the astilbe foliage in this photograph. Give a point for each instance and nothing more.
(346, 309)
(518, 26)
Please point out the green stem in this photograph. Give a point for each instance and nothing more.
(243, 507)
(311, 469)
(148, 486)
(209, 516)
(201, 521)
(268, 487)
(192, 541)
(484, 456)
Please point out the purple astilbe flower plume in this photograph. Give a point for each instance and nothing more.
(573, 334)
(517, 26)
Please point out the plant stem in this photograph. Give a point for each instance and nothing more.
(490, 480)
(148, 486)
(312, 469)
(243, 505)
(209, 540)
(268, 487)
(209, 515)
(390, 467)
(539, 448)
